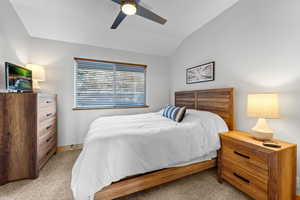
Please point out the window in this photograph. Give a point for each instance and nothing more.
(105, 84)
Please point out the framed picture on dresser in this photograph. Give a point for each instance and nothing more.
(201, 73)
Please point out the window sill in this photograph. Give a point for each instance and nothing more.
(112, 107)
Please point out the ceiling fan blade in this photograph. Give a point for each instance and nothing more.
(144, 12)
(117, 1)
(121, 16)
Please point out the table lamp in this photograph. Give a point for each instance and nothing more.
(38, 74)
(263, 106)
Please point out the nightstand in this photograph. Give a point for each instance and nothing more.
(263, 173)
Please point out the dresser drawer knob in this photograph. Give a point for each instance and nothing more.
(48, 101)
(48, 139)
(48, 152)
(242, 155)
(48, 127)
(49, 114)
(241, 178)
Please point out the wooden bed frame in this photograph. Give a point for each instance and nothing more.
(219, 101)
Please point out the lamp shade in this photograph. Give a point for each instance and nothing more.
(263, 106)
(38, 72)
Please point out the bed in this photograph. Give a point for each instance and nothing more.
(126, 154)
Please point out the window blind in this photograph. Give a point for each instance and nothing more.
(103, 84)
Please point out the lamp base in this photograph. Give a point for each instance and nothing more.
(36, 85)
(262, 136)
(262, 131)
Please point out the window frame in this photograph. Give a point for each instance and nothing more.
(75, 107)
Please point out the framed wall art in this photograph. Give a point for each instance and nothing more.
(201, 73)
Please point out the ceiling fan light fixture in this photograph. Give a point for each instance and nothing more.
(128, 7)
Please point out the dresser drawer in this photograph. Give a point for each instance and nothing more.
(47, 126)
(245, 182)
(46, 157)
(45, 113)
(47, 100)
(46, 143)
(46, 138)
(245, 156)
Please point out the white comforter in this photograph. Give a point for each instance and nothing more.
(120, 146)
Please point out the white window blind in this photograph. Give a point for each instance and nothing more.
(103, 84)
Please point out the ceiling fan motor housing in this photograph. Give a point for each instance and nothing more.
(128, 2)
(129, 7)
(131, 2)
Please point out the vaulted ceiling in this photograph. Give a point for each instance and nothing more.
(88, 22)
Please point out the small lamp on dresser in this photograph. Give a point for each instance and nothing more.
(263, 106)
(38, 74)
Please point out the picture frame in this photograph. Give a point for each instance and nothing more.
(201, 73)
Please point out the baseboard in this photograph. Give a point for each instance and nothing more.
(69, 147)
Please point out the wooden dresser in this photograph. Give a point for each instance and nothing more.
(28, 136)
(264, 173)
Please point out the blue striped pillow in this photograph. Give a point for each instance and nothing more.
(171, 112)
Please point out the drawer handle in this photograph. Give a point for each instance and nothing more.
(48, 127)
(242, 155)
(242, 178)
(48, 101)
(48, 139)
(48, 152)
(49, 114)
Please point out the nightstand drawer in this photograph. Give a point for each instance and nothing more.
(260, 175)
(245, 156)
(245, 182)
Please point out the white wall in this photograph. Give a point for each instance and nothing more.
(13, 39)
(57, 57)
(256, 46)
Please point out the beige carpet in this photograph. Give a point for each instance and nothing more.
(54, 184)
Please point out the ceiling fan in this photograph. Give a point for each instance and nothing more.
(132, 7)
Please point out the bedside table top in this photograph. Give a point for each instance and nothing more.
(246, 137)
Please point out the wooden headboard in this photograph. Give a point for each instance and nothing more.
(218, 101)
